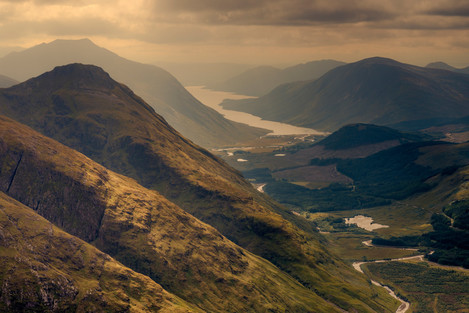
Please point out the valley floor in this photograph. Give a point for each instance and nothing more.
(402, 269)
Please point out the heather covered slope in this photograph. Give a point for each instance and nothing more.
(376, 90)
(142, 229)
(159, 88)
(44, 269)
(82, 107)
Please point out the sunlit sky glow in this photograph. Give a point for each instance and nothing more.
(247, 31)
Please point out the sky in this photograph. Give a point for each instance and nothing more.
(247, 31)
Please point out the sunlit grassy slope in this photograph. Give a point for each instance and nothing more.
(142, 229)
(44, 269)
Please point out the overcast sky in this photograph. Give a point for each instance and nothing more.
(247, 31)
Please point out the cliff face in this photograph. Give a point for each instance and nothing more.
(142, 229)
(44, 269)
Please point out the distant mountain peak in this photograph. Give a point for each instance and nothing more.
(444, 66)
(68, 41)
(375, 90)
(159, 88)
(440, 65)
(379, 60)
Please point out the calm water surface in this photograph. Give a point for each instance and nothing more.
(212, 99)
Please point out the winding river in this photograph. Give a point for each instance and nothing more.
(213, 99)
(404, 304)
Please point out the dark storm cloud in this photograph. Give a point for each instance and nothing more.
(277, 12)
(458, 9)
(71, 27)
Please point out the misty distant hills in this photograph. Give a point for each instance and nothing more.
(203, 74)
(260, 80)
(444, 66)
(159, 88)
(376, 90)
(6, 82)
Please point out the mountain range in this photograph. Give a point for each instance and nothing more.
(236, 264)
(260, 80)
(376, 90)
(203, 74)
(159, 88)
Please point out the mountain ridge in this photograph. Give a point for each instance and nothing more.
(159, 88)
(142, 229)
(159, 158)
(260, 80)
(376, 90)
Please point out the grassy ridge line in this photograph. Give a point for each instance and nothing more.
(42, 268)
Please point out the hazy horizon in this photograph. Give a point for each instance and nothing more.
(278, 32)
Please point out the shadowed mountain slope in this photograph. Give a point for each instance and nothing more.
(142, 229)
(6, 82)
(159, 88)
(44, 269)
(357, 135)
(407, 169)
(378, 91)
(260, 80)
(81, 106)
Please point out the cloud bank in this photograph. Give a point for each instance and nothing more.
(188, 29)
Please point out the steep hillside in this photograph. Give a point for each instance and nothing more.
(160, 89)
(142, 229)
(378, 91)
(260, 80)
(82, 107)
(44, 269)
(6, 82)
